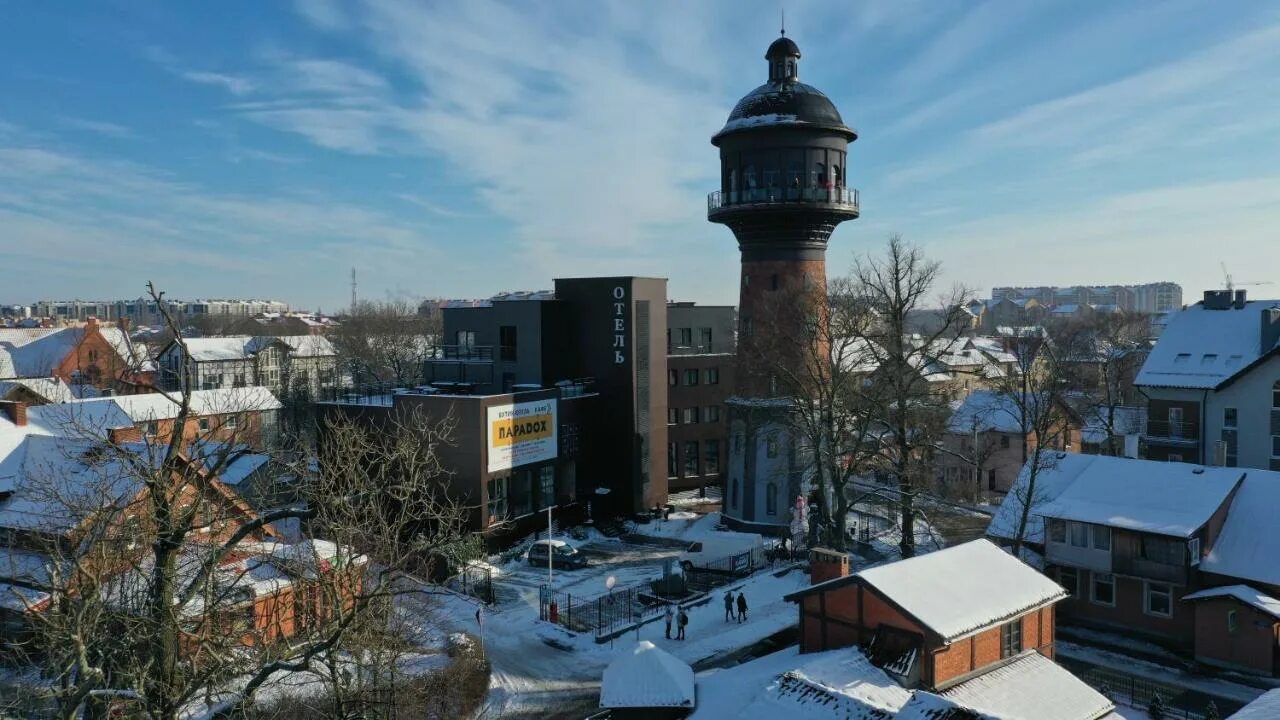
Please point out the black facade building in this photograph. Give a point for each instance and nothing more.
(783, 172)
(604, 333)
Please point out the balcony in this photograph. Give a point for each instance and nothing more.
(1173, 433)
(837, 199)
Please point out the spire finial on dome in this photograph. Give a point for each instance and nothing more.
(783, 11)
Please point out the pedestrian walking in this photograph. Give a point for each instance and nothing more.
(668, 616)
(742, 607)
(684, 620)
(728, 605)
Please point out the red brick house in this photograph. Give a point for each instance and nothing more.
(932, 621)
(93, 354)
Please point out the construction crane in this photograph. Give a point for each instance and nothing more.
(1231, 284)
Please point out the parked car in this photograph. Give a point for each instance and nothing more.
(563, 555)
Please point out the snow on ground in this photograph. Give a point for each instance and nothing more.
(1124, 712)
(1159, 673)
(539, 668)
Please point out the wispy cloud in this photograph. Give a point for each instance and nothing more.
(233, 84)
(99, 127)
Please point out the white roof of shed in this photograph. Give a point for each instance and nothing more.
(1201, 348)
(1032, 686)
(647, 677)
(1244, 594)
(963, 588)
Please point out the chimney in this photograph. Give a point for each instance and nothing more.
(1270, 331)
(1217, 299)
(1240, 299)
(826, 565)
(16, 411)
(117, 436)
(91, 322)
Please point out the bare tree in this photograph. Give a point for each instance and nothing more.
(385, 341)
(911, 415)
(145, 573)
(1100, 358)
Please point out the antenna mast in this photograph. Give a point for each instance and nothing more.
(353, 289)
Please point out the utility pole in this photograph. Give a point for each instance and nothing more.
(353, 290)
(551, 551)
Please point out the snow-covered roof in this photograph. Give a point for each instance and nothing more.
(1033, 686)
(647, 677)
(1266, 707)
(1244, 594)
(55, 482)
(50, 389)
(1201, 348)
(95, 416)
(1065, 468)
(1165, 498)
(240, 466)
(1121, 419)
(816, 686)
(1249, 543)
(242, 347)
(962, 589)
(37, 352)
(988, 411)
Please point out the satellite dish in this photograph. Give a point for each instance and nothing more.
(610, 582)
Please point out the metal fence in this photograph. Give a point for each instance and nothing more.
(621, 607)
(1179, 702)
(476, 581)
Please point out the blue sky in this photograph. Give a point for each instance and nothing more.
(462, 148)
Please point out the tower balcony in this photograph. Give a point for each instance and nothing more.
(836, 199)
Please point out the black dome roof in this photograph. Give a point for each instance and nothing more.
(784, 100)
(784, 103)
(783, 46)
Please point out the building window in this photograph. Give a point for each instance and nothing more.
(686, 337)
(711, 457)
(746, 326)
(672, 463)
(691, 458)
(1193, 551)
(1275, 396)
(497, 499)
(1232, 623)
(733, 493)
(771, 499)
(1275, 446)
(1079, 534)
(1159, 599)
(466, 341)
(673, 416)
(711, 413)
(1228, 417)
(690, 416)
(737, 443)
(705, 339)
(1167, 551)
(771, 445)
(152, 428)
(1069, 578)
(673, 377)
(1102, 538)
(1057, 531)
(691, 377)
(204, 424)
(1103, 591)
(1011, 638)
(773, 384)
(713, 376)
(231, 422)
(507, 342)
